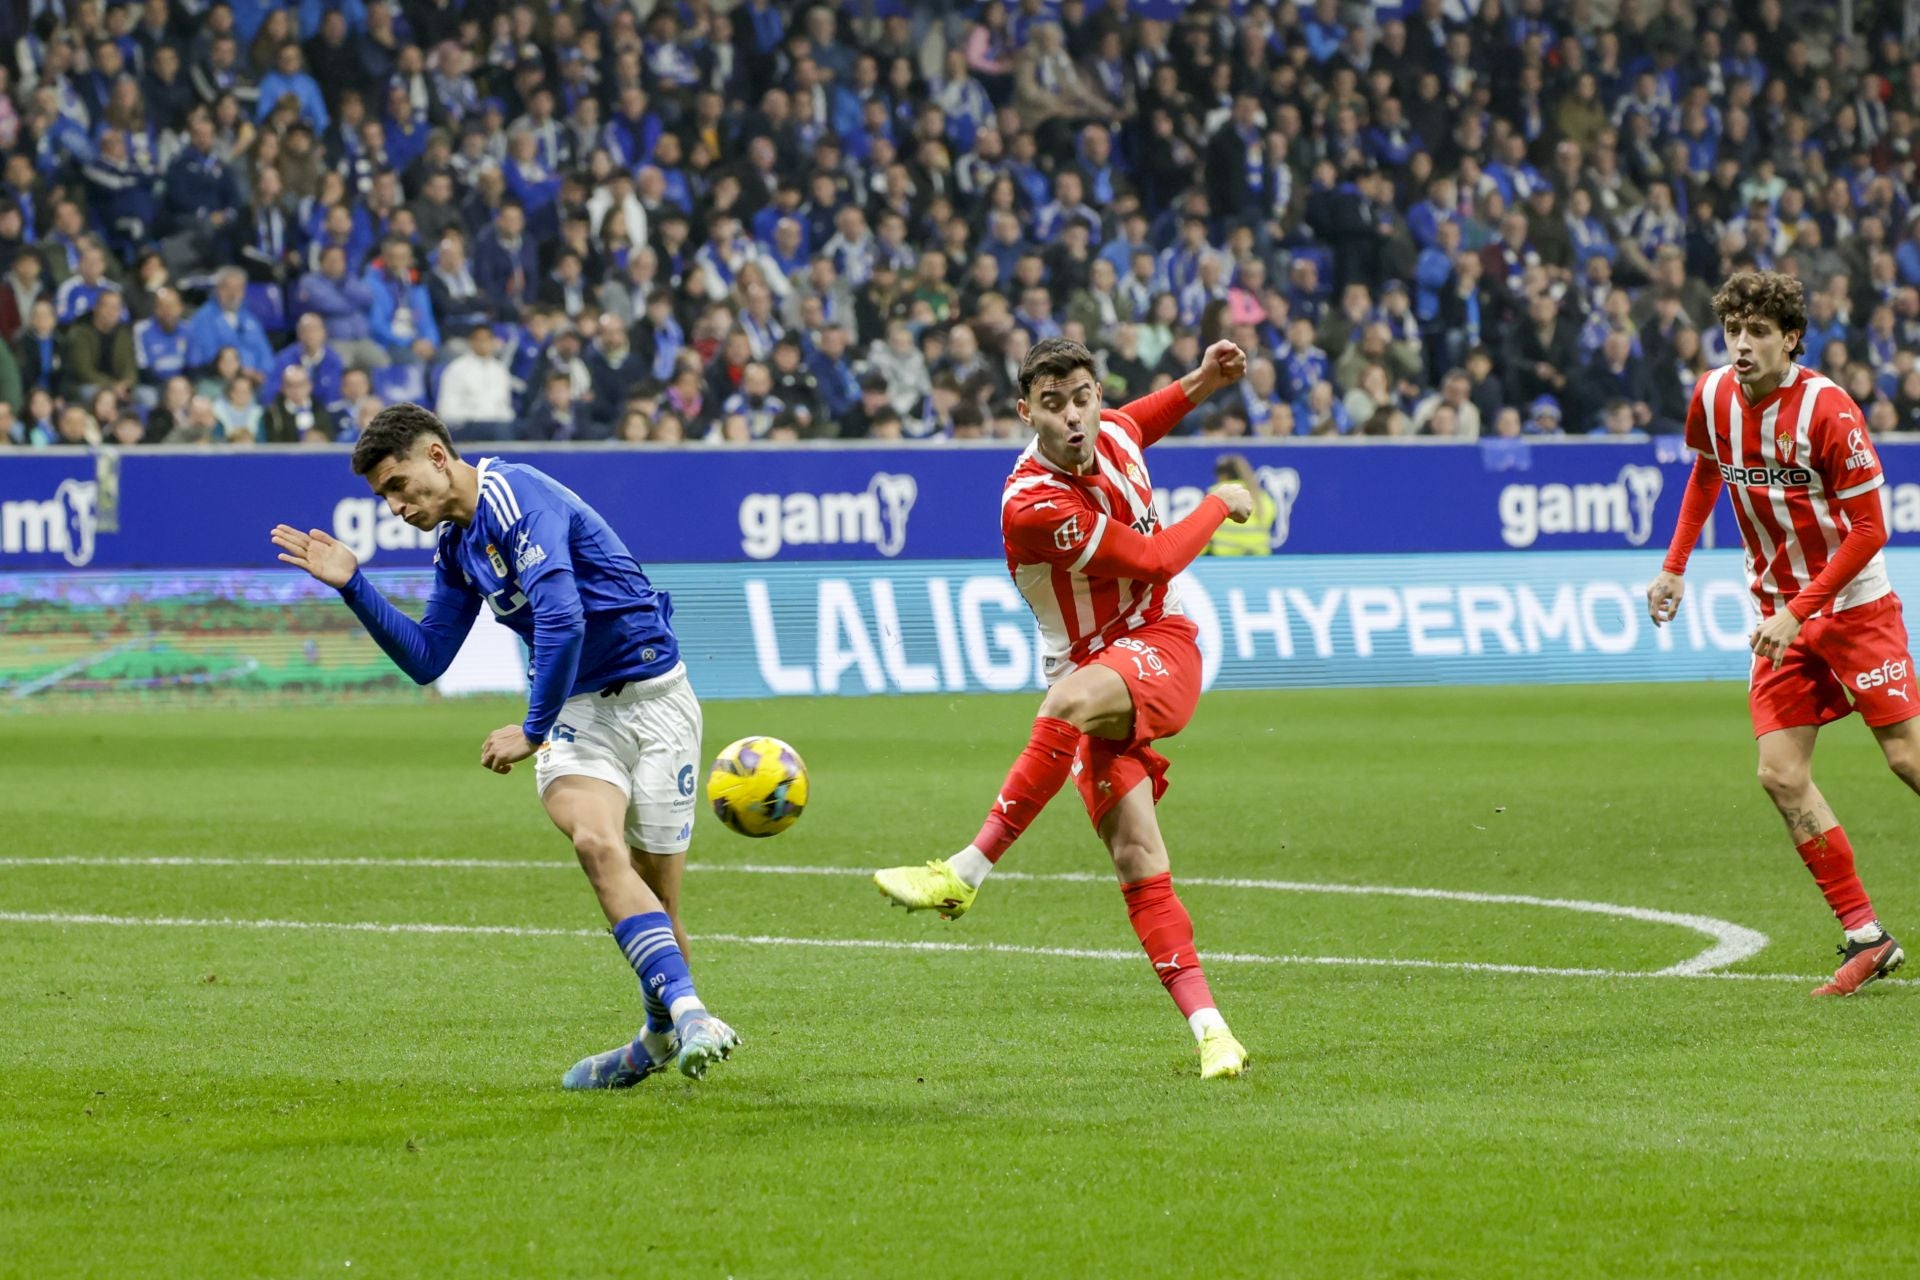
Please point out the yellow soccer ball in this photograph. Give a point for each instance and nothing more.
(758, 786)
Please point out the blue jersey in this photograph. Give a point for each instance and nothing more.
(551, 570)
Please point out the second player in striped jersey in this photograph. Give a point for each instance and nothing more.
(1122, 663)
(1792, 449)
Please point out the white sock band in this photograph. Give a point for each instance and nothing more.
(970, 865)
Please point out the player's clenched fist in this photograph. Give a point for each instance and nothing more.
(1238, 498)
(1663, 597)
(316, 552)
(1224, 363)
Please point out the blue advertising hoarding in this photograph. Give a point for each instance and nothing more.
(194, 509)
(938, 626)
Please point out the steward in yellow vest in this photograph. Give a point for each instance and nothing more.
(1255, 537)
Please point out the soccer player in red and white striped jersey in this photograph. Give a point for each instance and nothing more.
(1122, 662)
(1792, 449)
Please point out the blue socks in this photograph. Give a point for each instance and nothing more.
(665, 983)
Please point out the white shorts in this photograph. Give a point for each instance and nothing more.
(644, 740)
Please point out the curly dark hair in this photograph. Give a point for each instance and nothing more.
(1054, 358)
(393, 433)
(1765, 295)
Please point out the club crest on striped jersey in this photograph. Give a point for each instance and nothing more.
(1136, 475)
(498, 561)
(1783, 445)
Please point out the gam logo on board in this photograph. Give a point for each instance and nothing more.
(62, 525)
(876, 517)
(1529, 512)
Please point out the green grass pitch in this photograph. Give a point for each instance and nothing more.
(222, 1101)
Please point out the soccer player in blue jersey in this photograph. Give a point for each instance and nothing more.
(612, 724)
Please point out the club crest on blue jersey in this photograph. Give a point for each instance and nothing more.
(498, 561)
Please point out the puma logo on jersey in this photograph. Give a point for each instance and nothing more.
(1003, 805)
(1168, 966)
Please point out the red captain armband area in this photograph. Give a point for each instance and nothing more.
(1696, 505)
(1866, 534)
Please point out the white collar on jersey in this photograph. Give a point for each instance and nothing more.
(1033, 451)
(1787, 379)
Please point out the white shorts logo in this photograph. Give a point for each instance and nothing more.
(1891, 673)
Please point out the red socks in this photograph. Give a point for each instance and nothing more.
(1830, 858)
(1041, 770)
(1166, 931)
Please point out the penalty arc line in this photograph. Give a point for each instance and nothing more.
(1732, 943)
(849, 944)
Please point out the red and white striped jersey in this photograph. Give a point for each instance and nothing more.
(1786, 461)
(1053, 522)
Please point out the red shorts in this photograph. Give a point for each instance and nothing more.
(1161, 665)
(1854, 659)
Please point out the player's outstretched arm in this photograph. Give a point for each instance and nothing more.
(318, 553)
(423, 649)
(1223, 365)
(1160, 557)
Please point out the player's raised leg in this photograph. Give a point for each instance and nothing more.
(1093, 700)
(1786, 772)
(1131, 832)
(592, 814)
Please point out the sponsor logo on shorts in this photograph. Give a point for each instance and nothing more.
(1892, 673)
(561, 733)
(686, 832)
(685, 780)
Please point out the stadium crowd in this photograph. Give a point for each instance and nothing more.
(248, 222)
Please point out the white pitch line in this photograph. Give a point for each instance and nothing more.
(866, 944)
(1732, 943)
